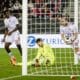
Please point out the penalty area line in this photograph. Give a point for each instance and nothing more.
(11, 77)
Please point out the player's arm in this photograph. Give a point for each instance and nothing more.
(75, 37)
(5, 33)
(62, 34)
(49, 50)
(63, 38)
(6, 29)
(75, 34)
(49, 55)
(36, 59)
(17, 27)
(38, 55)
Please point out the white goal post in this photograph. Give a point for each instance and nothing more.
(25, 30)
(76, 12)
(24, 34)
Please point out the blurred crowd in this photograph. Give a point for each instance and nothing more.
(43, 15)
(46, 8)
(14, 5)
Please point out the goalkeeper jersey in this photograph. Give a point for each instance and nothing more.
(45, 51)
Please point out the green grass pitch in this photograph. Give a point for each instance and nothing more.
(63, 66)
(63, 63)
(42, 78)
(6, 69)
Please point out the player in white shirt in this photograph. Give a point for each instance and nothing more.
(11, 34)
(69, 34)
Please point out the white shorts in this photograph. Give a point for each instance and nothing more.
(76, 44)
(14, 37)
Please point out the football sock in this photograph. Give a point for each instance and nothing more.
(75, 58)
(20, 49)
(10, 54)
(8, 50)
(78, 53)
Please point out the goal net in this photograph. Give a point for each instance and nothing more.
(43, 23)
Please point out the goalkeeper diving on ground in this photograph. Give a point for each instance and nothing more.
(45, 55)
(69, 34)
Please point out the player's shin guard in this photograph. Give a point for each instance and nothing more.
(20, 49)
(75, 59)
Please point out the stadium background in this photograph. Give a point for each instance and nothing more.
(42, 14)
(15, 6)
(42, 19)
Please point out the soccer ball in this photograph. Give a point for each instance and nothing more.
(69, 39)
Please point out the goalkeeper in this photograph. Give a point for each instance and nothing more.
(45, 55)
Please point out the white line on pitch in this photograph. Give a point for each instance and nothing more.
(10, 77)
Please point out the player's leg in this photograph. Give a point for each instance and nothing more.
(8, 49)
(76, 56)
(76, 51)
(12, 58)
(17, 42)
(8, 41)
(79, 53)
(19, 48)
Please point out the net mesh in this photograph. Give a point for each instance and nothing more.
(43, 19)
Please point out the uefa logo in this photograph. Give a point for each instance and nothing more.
(31, 41)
